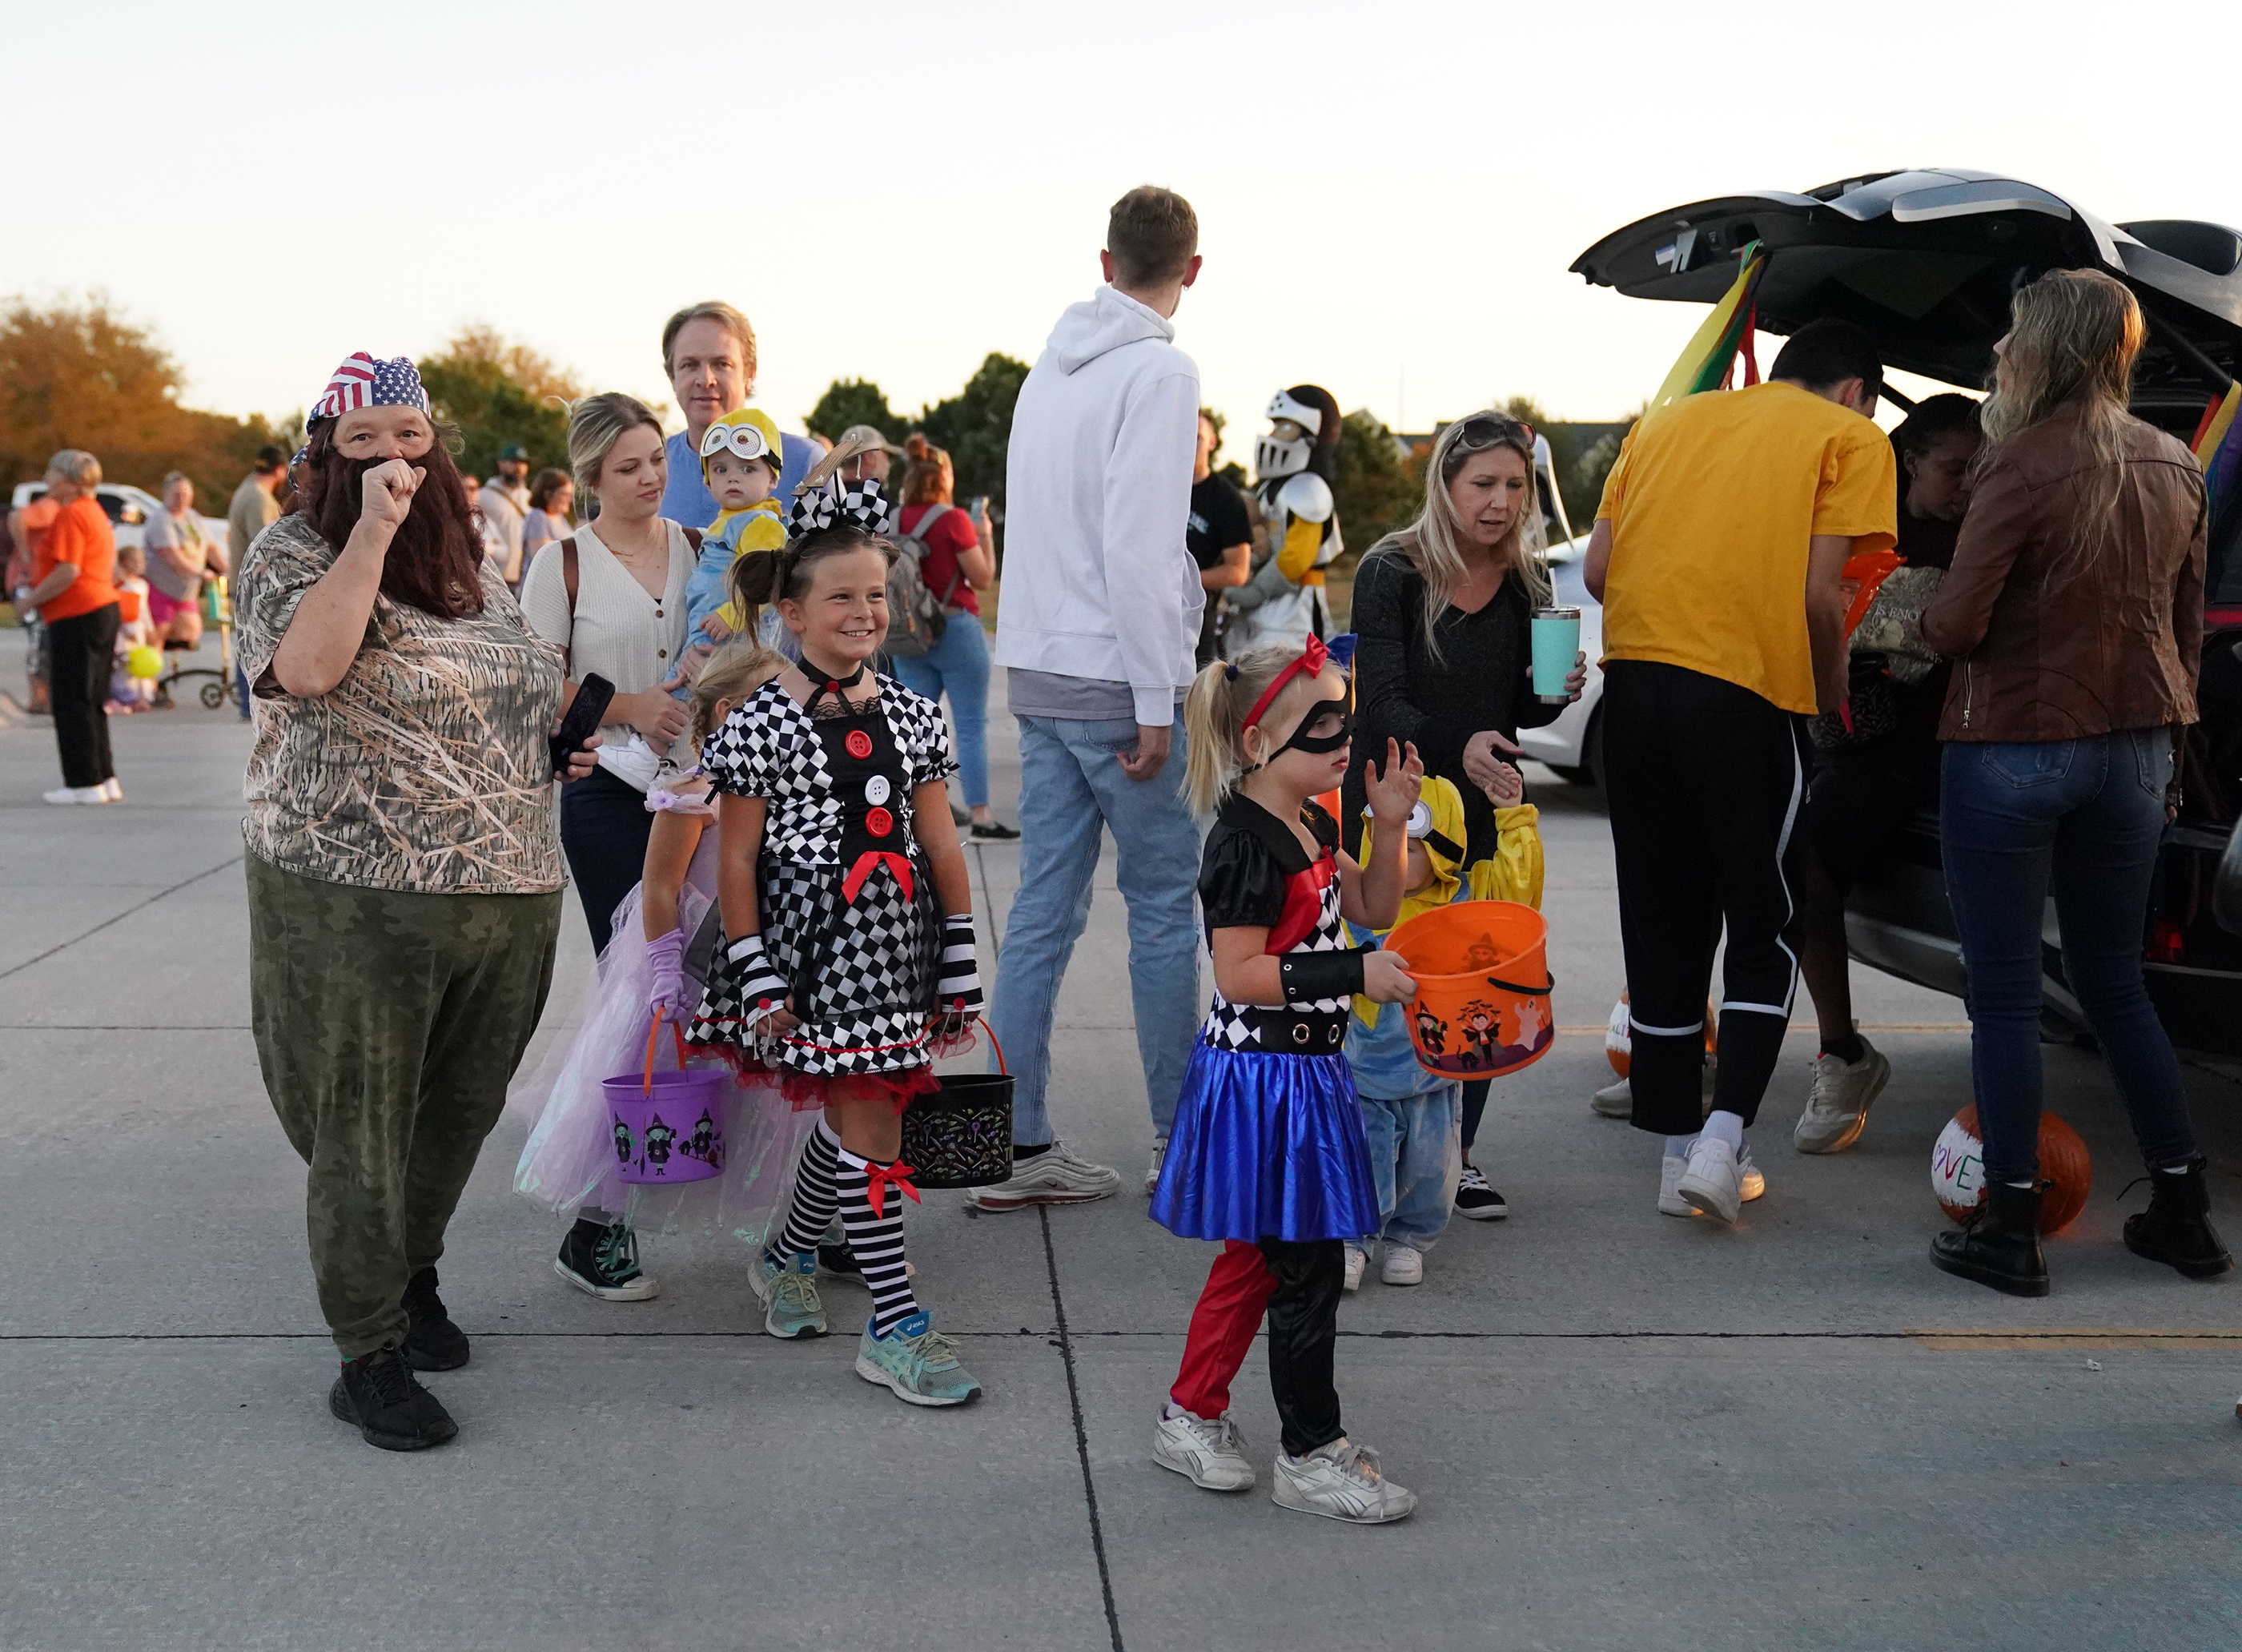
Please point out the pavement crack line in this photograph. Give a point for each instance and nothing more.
(1081, 1434)
(63, 946)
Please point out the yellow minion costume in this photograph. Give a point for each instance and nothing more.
(747, 434)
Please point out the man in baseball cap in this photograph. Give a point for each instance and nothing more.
(504, 502)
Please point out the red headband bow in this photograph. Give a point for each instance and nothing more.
(1313, 655)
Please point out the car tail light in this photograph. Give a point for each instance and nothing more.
(2167, 942)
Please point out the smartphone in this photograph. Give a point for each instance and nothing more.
(585, 712)
(978, 510)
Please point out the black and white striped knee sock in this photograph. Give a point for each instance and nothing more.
(878, 1242)
(814, 1195)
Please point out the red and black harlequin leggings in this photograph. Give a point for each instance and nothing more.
(1296, 1283)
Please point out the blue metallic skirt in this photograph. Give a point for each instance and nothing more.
(1266, 1147)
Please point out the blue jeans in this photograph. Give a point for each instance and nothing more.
(1416, 1157)
(2085, 816)
(1072, 788)
(959, 664)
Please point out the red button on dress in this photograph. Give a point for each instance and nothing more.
(859, 744)
(879, 823)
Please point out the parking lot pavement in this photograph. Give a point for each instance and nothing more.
(1629, 1431)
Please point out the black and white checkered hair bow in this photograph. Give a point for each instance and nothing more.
(861, 503)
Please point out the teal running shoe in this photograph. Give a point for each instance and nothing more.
(790, 1296)
(917, 1362)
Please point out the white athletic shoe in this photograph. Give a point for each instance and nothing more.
(1670, 1170)
(64, 796)
(1152, 1171)
(1212, 1452)
(1052, 1176)
(1404, 1265)
(1712, 1180)
(112, 791)
(1340, 1481)
(1837, 1103)
(1356, 1261)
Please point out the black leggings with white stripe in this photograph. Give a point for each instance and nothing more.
(1705, 782)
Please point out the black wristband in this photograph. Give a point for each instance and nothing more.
(1307, 977)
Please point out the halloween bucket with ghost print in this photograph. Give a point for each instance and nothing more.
(668, 1126)
(1483, 984)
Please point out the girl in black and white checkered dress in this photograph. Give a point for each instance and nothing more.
(849, 954)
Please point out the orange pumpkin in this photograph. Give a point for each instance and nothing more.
(1957, 1169)
(1619, 1041)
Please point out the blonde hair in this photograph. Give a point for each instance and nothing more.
(76, 464)
(733, 673)
(725, 317)
(1214, 722)
(2074, 336)
(1435, 537)
(595, 425)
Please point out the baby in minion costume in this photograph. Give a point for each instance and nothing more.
(739, 459)
(1412, 1117)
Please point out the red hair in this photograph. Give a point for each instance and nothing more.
(929, 479)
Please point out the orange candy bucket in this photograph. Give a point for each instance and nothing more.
(1483, 984)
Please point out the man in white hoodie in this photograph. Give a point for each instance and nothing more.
(1099, 619)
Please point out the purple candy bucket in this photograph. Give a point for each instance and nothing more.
(668, 1126)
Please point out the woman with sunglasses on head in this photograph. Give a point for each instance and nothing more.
(1442, 660)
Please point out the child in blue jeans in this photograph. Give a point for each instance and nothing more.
(1413, 1118)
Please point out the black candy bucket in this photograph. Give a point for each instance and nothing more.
(961, 1134)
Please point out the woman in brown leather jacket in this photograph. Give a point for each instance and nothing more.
(2074, 615)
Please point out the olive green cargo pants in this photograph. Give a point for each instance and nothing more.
(388, 1026)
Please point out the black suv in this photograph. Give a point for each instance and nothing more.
(1926, 261)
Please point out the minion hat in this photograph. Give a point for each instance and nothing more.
(750, 432)
(1438, 822)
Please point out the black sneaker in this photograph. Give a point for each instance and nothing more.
(995, 832)
(602, 1261)
(1476, 1200)
(432, 1341)
(379, 1393)
(840, 1261)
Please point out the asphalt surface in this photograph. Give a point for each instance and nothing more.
(1627, 1430)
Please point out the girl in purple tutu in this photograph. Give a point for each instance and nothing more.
(1268, 1154)
(655, 966)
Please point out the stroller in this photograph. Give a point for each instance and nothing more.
(217, 612)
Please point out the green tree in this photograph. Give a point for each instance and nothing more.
(75, 374)
(853, 401)
(975, 426)
(1378, 488)
(1582, 475)
(498, 392)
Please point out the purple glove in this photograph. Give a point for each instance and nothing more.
(665, 956)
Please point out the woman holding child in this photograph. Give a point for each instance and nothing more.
(1442, 662)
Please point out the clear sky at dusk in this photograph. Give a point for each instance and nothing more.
(1389, 194)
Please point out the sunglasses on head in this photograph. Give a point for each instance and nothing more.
(1485, 430)
(744, 440)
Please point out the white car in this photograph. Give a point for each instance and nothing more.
(128, 508)
(1574, 744)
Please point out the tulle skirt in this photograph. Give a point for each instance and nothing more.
(1266, 1147)
(569, 1163)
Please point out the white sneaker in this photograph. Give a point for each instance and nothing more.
(1404, 1265)
(1614, 1100)
(1837, 1103)
(1212, 1452)
(114, 792)
(1357, 1259)
(63, 796)
(1340, 1481)
(1052, 1176)
(1152, 1171)
(1674, 1165)
(1712, 1180)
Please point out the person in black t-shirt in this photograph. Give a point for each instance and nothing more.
(1220, 534)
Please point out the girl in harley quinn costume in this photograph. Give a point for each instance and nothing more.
(1268, 1153)
(848, 958)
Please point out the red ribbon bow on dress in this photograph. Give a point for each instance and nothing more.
(879, 1178)
(1313, 655)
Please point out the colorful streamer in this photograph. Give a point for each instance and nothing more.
(2219, 448)
(1706, 361)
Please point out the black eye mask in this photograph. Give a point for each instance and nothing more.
(1317, 744)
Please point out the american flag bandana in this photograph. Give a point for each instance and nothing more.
(364, 381)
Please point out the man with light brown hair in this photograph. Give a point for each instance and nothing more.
(708, 353)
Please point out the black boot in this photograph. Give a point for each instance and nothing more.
(1998, 1243)
(377, 1393)
(2175, 1228)
(432, 1341)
